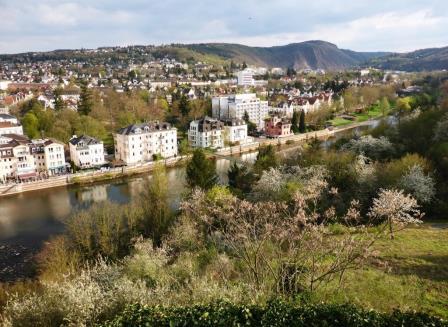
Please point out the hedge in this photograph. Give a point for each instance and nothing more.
(275, 313)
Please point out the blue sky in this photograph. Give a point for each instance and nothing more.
(391, 25)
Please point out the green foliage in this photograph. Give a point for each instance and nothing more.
(275, 313)
(105, 229)
(86, 100)
(30, 125)
(201, 172)
(184, 106)
(295, 122)
(240, 178)
(157, 213)
(266, 159)
(302, 125)
(58, 102)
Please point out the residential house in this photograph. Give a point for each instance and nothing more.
(278, 127)
(144, 142)
(86, 151)
(206, 133)
(235, 131)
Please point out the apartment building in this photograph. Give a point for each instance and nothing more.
(24, 159)
(144, 142)
(235, 106)
(206, 133)
(235, 131)
(86, 152)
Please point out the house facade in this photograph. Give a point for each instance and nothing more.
(140, 143)
(86, 152)
(24, 159)
(235, 131)
(206, 133)
(235, 107)
(278, 127)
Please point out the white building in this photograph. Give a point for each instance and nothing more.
(86, 151)
(206, 133)
(140, 143)
(245, 77)
(8, 118)
(4, 85)
(25, 159)
(235, 106)
(51, 154)
(9, 125)
(235, 131)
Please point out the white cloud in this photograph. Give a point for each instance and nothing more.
(397, 25)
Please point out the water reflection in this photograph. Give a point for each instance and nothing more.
(31, 218)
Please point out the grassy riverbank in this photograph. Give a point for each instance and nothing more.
(374, 112)
(409, 273)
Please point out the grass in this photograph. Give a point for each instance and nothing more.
(373, 113)
(340, 122)
(408, 273)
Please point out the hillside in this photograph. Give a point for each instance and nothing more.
(420, 60)
(310, 54)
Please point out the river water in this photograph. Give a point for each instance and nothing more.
(29, 219)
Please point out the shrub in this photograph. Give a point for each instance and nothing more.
(275, 313)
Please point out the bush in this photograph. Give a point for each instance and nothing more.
(276, 313)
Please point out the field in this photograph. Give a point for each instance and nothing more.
(374, 112)
(409, 273)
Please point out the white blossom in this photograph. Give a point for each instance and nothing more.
(418, 184)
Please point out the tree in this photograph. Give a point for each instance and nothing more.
(240, 178)
(295, 122)
(184, 106)
(403, 106)
(384, 106)
(86, 100)
(30, 125)
(395, 208)
(418, 184)
(201, 172)
(266, 159)
(244, 65)
(156, 209)
(246, 117)
(58, 102)
(302, 125)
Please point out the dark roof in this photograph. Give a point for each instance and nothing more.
(145, 127)
(208, 124)
(6, 116)
(233, 122)
(85, 139)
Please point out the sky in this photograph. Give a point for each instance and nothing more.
(361, 25)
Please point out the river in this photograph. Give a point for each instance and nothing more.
(29, 219)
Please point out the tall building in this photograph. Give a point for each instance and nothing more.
(235, 107)
(245, 77)
(206, 133)
(86, 151)
(140, 143)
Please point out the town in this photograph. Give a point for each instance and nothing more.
(128, 113)
(224, 163)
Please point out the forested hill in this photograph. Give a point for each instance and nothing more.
(303, 55)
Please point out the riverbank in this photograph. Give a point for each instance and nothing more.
(89, 177)
(84, 178)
